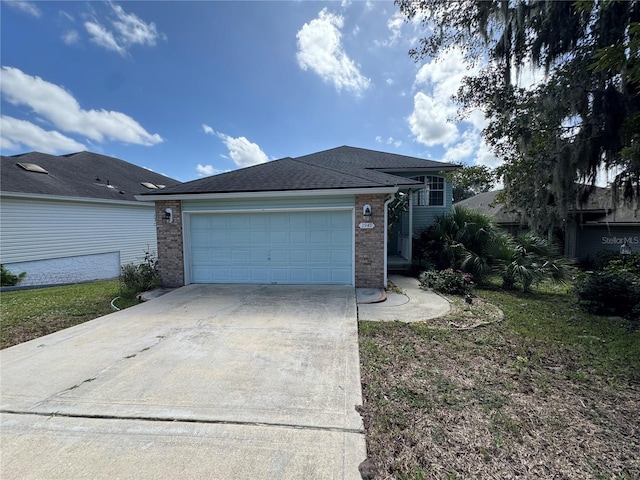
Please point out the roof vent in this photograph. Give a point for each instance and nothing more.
(32, 167)
(149, 185)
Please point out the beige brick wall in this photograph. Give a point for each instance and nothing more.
(170, 246)
(370, 243)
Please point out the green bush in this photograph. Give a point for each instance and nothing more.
(136, 279)
(610, 293)
(8, 279)
(627, 263)
(447, 281)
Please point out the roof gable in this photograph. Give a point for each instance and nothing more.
(82, 174)
(340, 168)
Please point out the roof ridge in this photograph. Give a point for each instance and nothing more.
(342, 172)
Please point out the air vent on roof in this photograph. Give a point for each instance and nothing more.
(160, 185)
(31, 167)
(149, 185)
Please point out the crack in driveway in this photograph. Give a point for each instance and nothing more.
(185, 420)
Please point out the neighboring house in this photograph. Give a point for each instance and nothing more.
(317, 219)
(600, 225)
(73, 218)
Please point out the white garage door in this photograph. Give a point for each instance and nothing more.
(275, 247)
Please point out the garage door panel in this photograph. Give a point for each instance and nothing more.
(299, 256)
(279, 238)
(272, 247)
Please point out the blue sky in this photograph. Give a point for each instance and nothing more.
(189, 89)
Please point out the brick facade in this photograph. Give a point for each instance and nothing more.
(370, 243)
(170, 246)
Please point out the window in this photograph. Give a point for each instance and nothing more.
(433, 192)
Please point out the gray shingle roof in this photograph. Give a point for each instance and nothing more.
(83, 174)
(339, 168)
(371, 159)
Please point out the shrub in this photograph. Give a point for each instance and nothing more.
(628, 263)
(447, 281)
(610, 293)
(135, 279)
(8, 279)
(531, 259)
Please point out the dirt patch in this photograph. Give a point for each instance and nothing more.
(465, 397)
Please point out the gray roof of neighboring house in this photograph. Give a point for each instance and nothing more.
(339, 168)
(486, 203)
(599, 203)
(83, 175)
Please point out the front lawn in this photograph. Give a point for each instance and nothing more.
(28, 314)
(544, 392)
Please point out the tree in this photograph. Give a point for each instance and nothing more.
(471, 180)
(584, 116)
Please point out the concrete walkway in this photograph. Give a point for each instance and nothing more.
(208, 381)
(413, 305)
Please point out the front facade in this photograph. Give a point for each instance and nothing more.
(74, 218)
(319, 219)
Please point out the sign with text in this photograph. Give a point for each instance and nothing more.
(366, 225)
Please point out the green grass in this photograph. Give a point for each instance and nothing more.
(546, 392)
(28, 314)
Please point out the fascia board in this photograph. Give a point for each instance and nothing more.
(61, 198)
(270, 194)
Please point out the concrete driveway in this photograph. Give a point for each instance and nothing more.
(208, 381)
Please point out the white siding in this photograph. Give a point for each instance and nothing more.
(39, 229)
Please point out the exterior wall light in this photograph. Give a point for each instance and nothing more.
(366, 212)
(167, 217)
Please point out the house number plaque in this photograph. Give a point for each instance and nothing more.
(366, 225)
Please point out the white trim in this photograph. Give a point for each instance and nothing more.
(386, 234)
(186, 252)
(353, 246)
(61, 198)
(269, 194)
(267, 210)
(410, 256)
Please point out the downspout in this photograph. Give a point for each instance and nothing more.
(386, 234)
(410, 256)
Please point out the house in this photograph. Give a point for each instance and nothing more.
(317, 219)
(73, 218)
(600, 225)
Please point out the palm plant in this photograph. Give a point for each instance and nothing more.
(532, 259)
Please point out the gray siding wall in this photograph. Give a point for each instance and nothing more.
(592, 239)
(42, 229)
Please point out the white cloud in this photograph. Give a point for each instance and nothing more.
(27, 7)
(16, 134)
(429, 121)
(320, 49)
(103, 37)
(484, 156)
(393, 141)
(464, 148)
(394, 24)
(207, 129)
(243, 152)
(206, 170)
(122, 30)
(70, 37)
(378, 139)
(389, 81)
(59, 107)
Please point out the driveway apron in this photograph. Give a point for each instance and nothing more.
(208, 381)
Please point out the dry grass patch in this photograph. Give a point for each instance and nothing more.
(545, 393)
